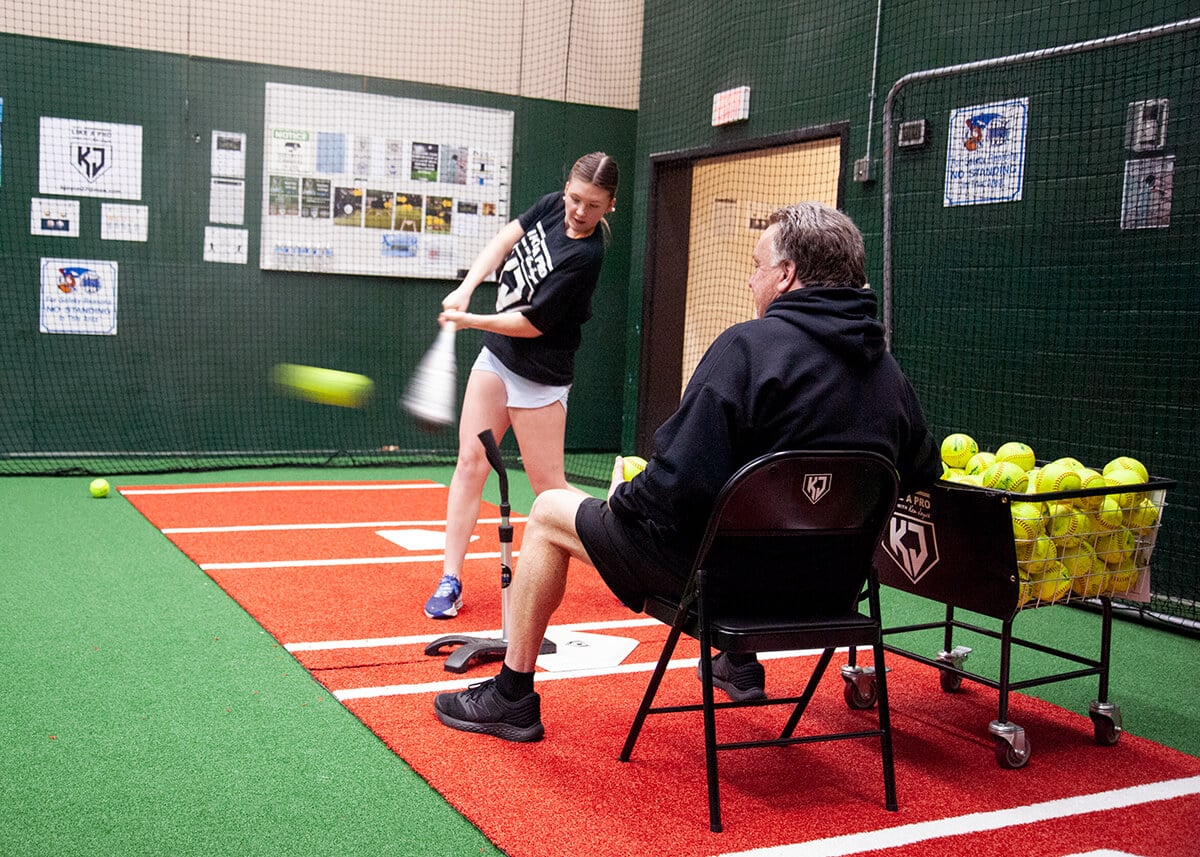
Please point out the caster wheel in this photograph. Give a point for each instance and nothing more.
(951, 682)
(1008, 756)
(1106, 731)
(860, 700)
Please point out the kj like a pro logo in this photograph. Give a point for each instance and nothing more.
(91, 151)
(77, 158)
(911, 539)
(816, 485)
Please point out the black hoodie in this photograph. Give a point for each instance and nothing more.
(812, 373)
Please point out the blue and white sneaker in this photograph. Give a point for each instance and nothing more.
(444, 603)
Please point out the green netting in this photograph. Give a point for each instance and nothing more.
(1050, 299)
(1064, 318)
(193, 196)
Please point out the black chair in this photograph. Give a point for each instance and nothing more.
(783, 565)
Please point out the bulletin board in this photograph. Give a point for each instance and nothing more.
(359, 183)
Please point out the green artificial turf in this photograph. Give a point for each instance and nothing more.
(144, 712)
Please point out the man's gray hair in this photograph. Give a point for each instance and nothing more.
(822, 242)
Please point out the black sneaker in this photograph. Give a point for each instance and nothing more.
(481, 708)
(743, 683)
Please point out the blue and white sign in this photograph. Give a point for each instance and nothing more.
(985, 154)
(78, 296)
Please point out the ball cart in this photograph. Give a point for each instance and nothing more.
(999, 554)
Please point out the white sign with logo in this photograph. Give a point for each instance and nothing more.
(78, 158)
(985, 153)
(78, 296)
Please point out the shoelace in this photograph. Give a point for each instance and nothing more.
(474, 691)
(445, 588)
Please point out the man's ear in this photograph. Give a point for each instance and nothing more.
(787, 280)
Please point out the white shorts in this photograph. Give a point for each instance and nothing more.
(522, 393)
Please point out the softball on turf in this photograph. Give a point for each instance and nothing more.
(99, 488)
(957, 449)
(1018, 453)
(632, 465)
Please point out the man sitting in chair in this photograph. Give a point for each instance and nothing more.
(810, 371)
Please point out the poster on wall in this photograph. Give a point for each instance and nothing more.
(985, 153)
(356, 183)
(83, 158)
(124, 222)
(54, 217)
(78, 296)
(1146, 193)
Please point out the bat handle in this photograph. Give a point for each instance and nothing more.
(492, 451)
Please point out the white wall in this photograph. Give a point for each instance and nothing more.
(579, 51)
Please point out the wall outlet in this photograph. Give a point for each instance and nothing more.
(864, 170)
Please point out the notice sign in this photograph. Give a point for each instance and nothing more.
(985, 155)
(78, 296)
(358, 183)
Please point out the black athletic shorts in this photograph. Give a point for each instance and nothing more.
(627, 558)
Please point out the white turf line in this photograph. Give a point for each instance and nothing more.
(909, 834)
(837, 846)
(365, 525)
(254, 489)
(372, 642)
(325, 563)
(621, 669)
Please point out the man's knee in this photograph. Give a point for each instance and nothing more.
(552, 517)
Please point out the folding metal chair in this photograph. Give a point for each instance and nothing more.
(783, 565)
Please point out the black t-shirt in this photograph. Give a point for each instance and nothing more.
(549, 278)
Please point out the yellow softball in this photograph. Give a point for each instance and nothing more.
(1005, 476)
(979, 462)
(1020, 454)
(958, 448)
(1124, 462)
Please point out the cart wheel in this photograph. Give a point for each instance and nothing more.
(1107, 732)
(860, 700)
(951, 682)
(1008, 756)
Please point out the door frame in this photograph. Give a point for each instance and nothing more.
(664, 279)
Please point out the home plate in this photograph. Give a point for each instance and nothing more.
(580, 651)
(417, 539)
